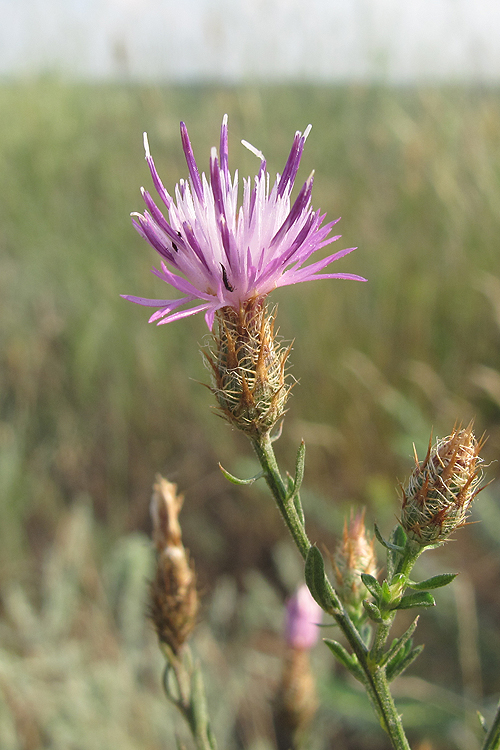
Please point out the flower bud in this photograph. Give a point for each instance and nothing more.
(248, 367)
(303, 615)
(353, 556)
(441, 489)
(296, 701)
(174, 600)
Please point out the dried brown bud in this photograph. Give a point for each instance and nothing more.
(441, 489)
(174, 600)
(248, 367)
(296, 702)
(354, 555)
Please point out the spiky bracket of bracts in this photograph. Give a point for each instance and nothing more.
(248, 363)
(441, 489)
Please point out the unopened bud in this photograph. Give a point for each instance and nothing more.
(353, 556)
(441, 489)
(296, 701)
(248, 367)
(174, 600)
(303, 615)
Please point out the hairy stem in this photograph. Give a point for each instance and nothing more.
(375, 679)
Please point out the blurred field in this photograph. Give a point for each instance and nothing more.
(94, 402)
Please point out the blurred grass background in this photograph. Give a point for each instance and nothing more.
(94, 402)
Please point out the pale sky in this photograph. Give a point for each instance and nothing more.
(266, 40)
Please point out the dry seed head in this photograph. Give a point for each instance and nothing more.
(354, 555)
(248, 367)
(174, 599)
(441, 489)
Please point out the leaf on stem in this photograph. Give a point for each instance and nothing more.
(372, 611)
(235, 480)
(316, 579)
(372, 585)
(435, 582)
(399, 643)
(420, 599)
(387, 545)
(398, 666)
(349, 662)
(482, 722)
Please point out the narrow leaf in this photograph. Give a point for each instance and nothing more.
(315, 578)
(298, 507)
(349, 662)
(372, 585)
(421, 599)
(300, 465)
(289, 485)
(235, 480)
(482, 722)
(399, 643)
(398, 536)
(372, 611)
(398, 540)
(393, 670)
(435, 582)
(387, 545)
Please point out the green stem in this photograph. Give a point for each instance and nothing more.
(380, 639)
(391, 718)
(190, 701)
(404, 568)
(375, 679)
(265, 453)
(492, 741)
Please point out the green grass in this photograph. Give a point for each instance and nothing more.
(93, 401)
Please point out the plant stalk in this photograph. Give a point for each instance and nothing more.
(375, 681)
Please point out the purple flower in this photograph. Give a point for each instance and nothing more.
(219, 254)
(303, 615)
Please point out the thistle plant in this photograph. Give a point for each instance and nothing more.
(225, 259)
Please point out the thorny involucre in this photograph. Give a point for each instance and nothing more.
(440, 491)
(222, 254)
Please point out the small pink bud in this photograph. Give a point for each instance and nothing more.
(303, 615)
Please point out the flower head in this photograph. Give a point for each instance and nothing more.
(219, 254)
(174, 599)
(354, 556)
(440, 491)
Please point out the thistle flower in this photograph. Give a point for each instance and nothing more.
(219, 255)
(353, 556)
(174, 600)
(441, 489)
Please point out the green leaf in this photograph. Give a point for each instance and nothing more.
(398, 666)
(372, 611)
(235, 480)
(289, 485)
(435, 582)
(316, 579)
(349, 662)
(398, 536)
(399, 643)
(300, 466)
(387, 545)
(372, 585)
(398, 541)
(421, 599)
(298, 507)
(482, 722)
